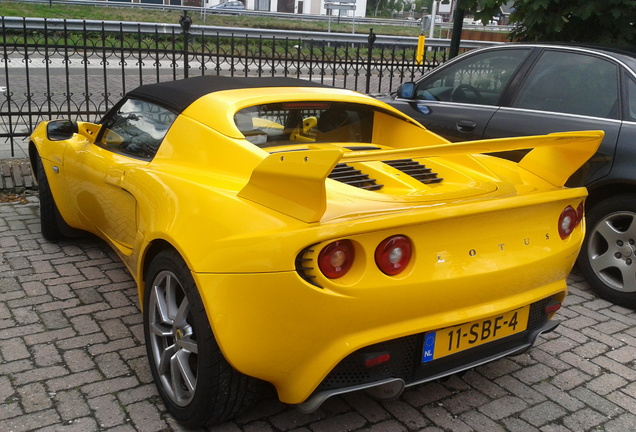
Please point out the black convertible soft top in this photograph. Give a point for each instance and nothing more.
(178, 95)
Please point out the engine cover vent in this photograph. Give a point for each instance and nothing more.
(353, 177)
(416, 170)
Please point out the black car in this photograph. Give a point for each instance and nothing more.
(531, 89)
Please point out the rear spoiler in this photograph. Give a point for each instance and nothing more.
(293, 182)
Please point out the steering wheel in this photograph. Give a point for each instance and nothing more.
(459, 93)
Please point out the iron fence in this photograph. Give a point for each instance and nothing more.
(79, 69)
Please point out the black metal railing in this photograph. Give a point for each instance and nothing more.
(79, 69)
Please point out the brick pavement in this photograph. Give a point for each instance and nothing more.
(72, 359)
(15, 176)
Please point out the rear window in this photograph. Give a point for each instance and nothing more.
(305, 122)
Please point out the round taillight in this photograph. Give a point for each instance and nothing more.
(336, 259)
(569, 220)
(393, 254)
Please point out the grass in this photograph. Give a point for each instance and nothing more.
(139, 14)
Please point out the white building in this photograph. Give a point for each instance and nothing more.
(303, 7)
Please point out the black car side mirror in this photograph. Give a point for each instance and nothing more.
(406, 90)
(58, 130)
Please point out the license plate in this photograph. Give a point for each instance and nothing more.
(452, 340)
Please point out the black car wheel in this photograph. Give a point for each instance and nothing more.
(195, 381)
(49, 214)
(608, 256)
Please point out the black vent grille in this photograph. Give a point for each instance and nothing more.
(353, 177)
(415, 169)
(304, 264)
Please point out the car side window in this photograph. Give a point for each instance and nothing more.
(477, 79)
(631, 98)
(571, 83)
(136, 128)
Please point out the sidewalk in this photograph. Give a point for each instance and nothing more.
(15, 171)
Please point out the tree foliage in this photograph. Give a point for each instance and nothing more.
(607, 22)
(590, 21)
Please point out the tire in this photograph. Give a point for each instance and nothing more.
(49, 214)
(204, 389)
(608, 255)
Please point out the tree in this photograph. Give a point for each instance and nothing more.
(607, 22)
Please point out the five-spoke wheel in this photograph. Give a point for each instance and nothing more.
(608, 257)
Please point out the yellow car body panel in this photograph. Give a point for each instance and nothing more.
(485, 232)
(305, 331)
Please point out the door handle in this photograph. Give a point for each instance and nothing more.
(466, 125)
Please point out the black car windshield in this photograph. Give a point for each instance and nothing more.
(305, 122)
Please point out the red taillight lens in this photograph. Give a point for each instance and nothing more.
(393, 254)
(336, 259)
(569, 220)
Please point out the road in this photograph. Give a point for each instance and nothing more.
(72, 358)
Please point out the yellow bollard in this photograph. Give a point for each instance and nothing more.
(419, 57)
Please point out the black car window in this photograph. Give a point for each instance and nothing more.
(478, 79)
(305, 122)
(631, 98)
(136, 128)
(573, 83)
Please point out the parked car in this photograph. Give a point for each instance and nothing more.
(313, 238)
(230, 5)
(526, 89)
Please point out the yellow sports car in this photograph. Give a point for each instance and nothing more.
(313, 238)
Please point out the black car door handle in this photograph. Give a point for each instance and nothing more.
(466, 125)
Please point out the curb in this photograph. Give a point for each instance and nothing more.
(15, 176)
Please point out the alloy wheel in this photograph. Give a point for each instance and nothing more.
(172, 340)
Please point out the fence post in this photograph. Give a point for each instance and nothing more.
(369, 58)
(186, 22)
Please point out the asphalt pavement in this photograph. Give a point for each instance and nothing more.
(72, 357)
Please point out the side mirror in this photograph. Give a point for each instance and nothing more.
(406, 90)
(59, 130)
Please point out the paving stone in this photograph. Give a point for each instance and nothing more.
(623, 423)
(606, 383)
(464, 401)
(344, 422)
(503, 407)
(570, 379)
(543, 413)
(408, 415)
(583, 420)
(145, 417)
(367, 407)
(71, 405)
(443, 419)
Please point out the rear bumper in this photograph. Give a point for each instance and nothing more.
(406, 369)
(298, 337)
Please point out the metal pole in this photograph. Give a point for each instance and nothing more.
(457, 32)
(433, 13)
(371, 39)
(186, 22)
